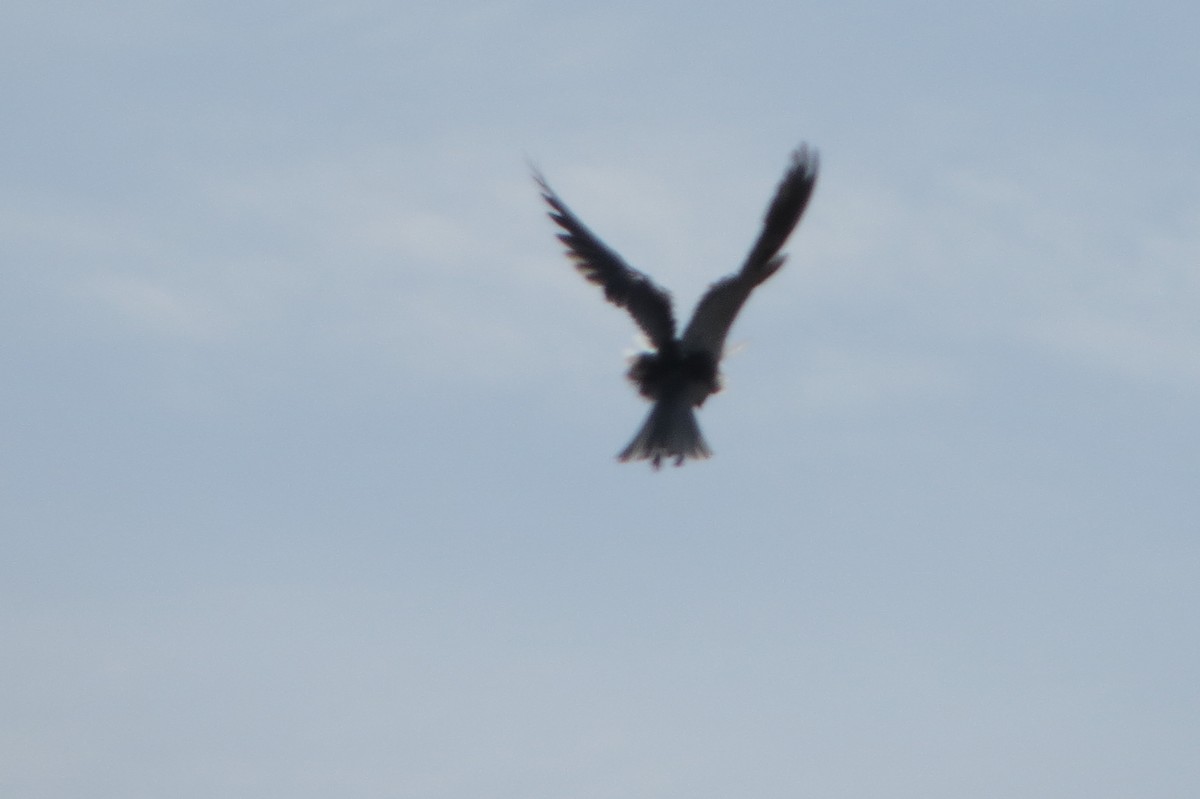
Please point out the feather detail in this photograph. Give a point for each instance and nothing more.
(624, 286)
(670, 431)
(714, 314)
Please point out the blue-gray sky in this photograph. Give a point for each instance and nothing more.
(307, 484)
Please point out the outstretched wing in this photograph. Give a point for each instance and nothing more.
(717, 309)
(624, 286)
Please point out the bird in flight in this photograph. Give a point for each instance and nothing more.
(681, 371)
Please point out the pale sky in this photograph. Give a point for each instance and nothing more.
(307, 475)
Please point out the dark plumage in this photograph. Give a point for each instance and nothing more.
(682, 372)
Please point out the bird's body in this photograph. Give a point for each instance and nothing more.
(681, 372)
(675, 381)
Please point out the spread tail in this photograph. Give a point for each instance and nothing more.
(670, 431)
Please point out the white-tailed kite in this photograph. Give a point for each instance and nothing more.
(681, 372)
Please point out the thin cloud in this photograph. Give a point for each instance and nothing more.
(157, 308)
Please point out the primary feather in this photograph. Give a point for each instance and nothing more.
(624, 286)
(717, 309)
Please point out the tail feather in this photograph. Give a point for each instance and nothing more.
(670, 431)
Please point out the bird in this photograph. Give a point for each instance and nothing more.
(680, 372)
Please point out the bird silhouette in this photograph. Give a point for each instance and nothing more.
(681, 372)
